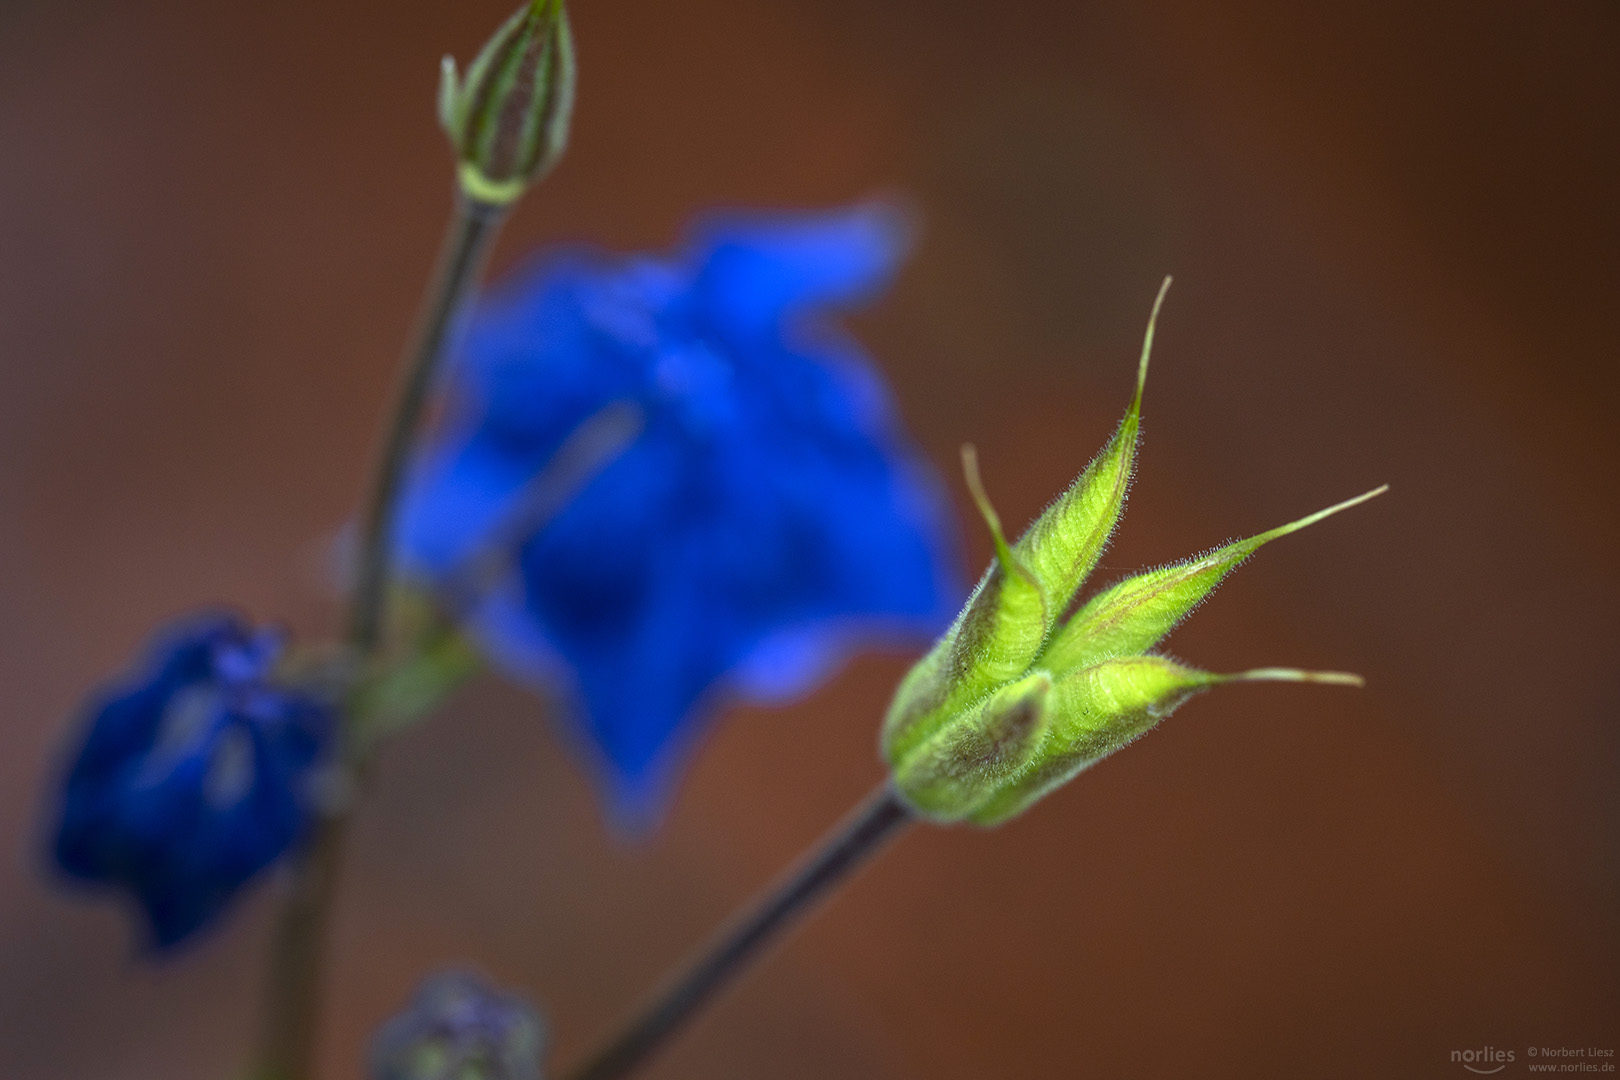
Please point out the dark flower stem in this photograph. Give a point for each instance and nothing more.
(856, 839)
(472, 228)
(298, 948)
(297, 958)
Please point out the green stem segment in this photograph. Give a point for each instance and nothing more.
(298, 949)
(860, 836)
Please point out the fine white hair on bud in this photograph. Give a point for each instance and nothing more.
(1012, 704)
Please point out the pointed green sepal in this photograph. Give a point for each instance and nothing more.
(1065, 542)
(965, 763)
(1134, 615)
(994, 640)
(1097, 710)
(508, 119)
(1009, 617)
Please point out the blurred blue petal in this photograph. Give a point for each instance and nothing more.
(757, 269)
(770, 518)
(191, 777)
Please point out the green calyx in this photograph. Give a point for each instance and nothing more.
(508, 118)
(1014, 701)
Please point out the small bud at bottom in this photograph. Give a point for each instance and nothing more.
(459, 1027)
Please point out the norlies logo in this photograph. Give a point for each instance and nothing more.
(1484, 1061)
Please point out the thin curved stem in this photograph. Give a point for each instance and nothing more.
(472, 229)
(298, 947)
(855, 840)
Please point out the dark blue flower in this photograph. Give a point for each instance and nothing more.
(769, 518)
(193, 776)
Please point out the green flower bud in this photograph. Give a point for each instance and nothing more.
(1008, 705)
(508, 119)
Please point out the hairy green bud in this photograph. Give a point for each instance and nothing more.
(1009, 704)
(508, 119)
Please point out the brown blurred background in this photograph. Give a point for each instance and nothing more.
(1397, 245)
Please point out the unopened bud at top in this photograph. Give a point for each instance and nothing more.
(508, 118)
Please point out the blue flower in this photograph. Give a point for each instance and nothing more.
(769, 518)
(193, 776)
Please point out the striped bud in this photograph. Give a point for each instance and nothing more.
(508, 119)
